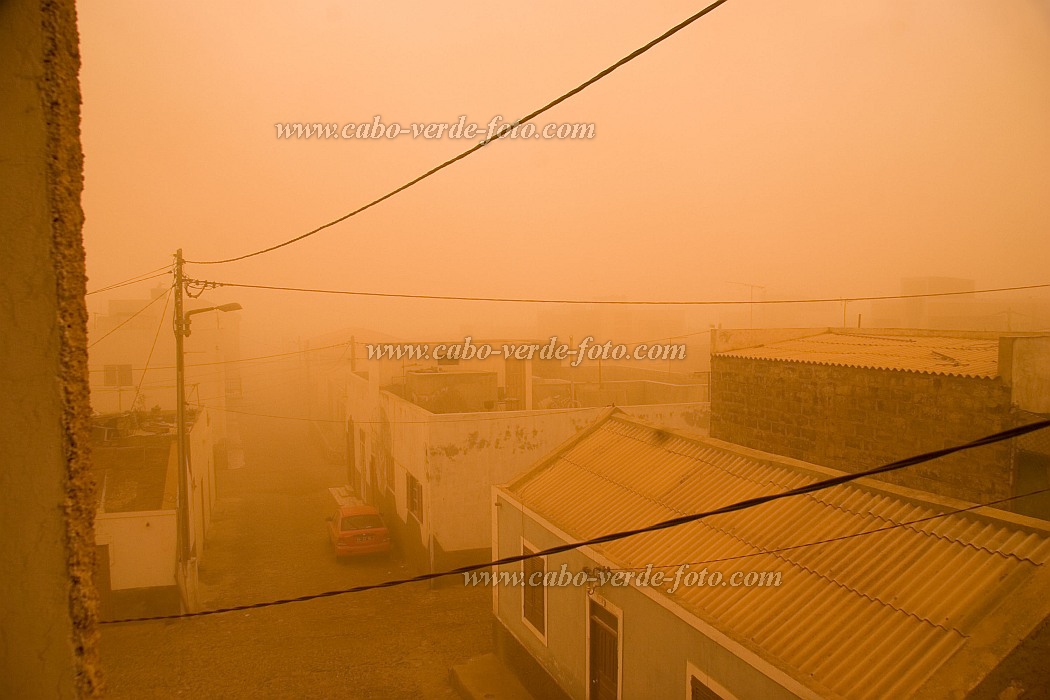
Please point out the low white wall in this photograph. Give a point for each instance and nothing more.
(202, 478)
(141, 547)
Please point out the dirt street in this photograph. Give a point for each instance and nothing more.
(267, 542)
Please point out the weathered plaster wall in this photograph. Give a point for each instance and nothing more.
(467, 458)
(201, 478)
(47, 601)
(459, 457)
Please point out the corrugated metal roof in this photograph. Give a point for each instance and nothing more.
(865, 617)
(964, 357)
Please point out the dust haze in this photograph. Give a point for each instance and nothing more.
(838, 211)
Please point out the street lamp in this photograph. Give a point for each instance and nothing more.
(221, 307)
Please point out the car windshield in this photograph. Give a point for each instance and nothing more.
(361, 522)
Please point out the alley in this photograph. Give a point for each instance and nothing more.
(266, 542)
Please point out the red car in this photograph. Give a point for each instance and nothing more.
(358, 529)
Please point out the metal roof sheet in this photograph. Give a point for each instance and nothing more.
(964, 357)
(862, 617)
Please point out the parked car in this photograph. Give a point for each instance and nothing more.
(357, 528)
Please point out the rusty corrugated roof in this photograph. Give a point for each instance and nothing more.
(864, 617)
(964, 357)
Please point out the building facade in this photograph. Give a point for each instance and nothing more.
(853, 399)
(137, 538)
(860, 590)
(431, 473)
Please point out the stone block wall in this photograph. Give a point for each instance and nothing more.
(853, 419)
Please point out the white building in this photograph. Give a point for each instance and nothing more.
(431, 472)
(861, 590)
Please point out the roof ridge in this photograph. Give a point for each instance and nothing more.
(816, 496)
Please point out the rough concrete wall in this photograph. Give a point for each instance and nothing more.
(1023, 673)
(1030, 373)
(852, 419)
(47, 601)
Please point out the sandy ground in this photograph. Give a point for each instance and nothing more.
(267, 541)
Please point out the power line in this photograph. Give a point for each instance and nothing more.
(133, 280)
(623, 534)
(127, 320)
(507, 128)
(820, 300)
(615, 302)
(248, 359)
(130, 282)
(156, 335)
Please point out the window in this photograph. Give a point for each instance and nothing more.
(233, 387)
(118, 375)
(700, 686)
(360, 522)
(699, 691)
(534, 593)
(414, 496)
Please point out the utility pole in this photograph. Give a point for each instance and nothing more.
(180, 416)
(181, 326)
(751, 300)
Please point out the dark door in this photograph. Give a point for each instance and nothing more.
(604, 653)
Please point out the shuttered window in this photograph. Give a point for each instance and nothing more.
(533, 597)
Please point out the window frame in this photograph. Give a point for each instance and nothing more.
(115, 374)
(693, 671)
(414, 496)
(527, 546)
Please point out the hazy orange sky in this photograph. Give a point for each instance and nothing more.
(816, 148)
